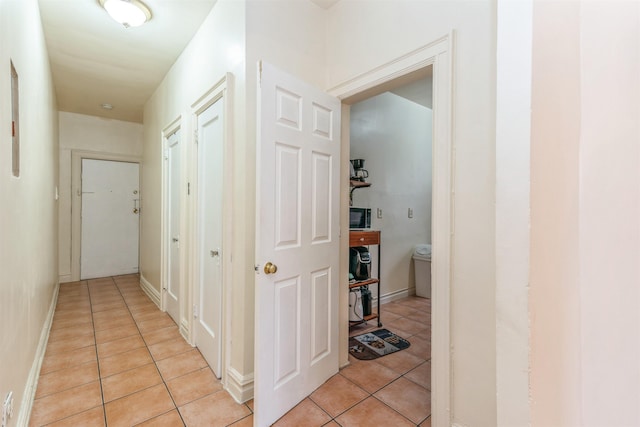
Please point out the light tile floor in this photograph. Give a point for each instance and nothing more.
(393, 390)
(115, 359)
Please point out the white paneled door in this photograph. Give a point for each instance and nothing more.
(208, 295)
(110, 218)
(297, 242)
(172, 224)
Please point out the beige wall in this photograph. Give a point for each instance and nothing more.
(87, 133)
(585, 210)
(216, 49)
(360, 39)
(28, 215)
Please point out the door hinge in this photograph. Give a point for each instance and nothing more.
(195, 311)
(188, 188)
(166, 154)
(195, 136)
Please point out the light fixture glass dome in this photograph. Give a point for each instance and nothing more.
(129, 13)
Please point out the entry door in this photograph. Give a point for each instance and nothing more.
(172, 232)
(298, 242)
(208, 296)
(110, 218)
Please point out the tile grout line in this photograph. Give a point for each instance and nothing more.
(155, 363)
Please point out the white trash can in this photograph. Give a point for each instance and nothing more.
(422, 264)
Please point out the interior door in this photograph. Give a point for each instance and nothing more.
(297, 242)
(110, 220)
(208, 296)
(172, 233)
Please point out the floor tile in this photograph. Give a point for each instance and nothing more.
(337, 395)
(420, 347)
(305, 413)
(169, 348)
(85, 329)
(369, 375)
(170, 419)
(91, 418)
(102, 316)
(245, 422)
(129, 382)
(54, 362)
(426, 423)
(400, 362)
(111, 348)
(218, 409)
(138, 407)
(70, 344)
(66, 403)
(411, 326)
(115, 305)
(71, 321)
(193, 386)
(372, 412)
(401, 310)
(421, 375)
(65, 379)
(408, 398)
(124, 361)
(155, 324)
(181, 364)
(118, 322)
(159, 335)
(116, 333)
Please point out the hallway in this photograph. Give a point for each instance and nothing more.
(113, 358)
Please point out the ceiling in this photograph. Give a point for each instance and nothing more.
(94, 60)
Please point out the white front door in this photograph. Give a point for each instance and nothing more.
(110, 220)
(172, 232)
(298, 236)
(208, 295)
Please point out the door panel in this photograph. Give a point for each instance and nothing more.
(110, 220)
(208, 300)
(173, 158)
(298, 231)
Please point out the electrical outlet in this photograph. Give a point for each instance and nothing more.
(410, 213)
(7, 409)
(379, 213)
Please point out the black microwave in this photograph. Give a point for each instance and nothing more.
(359, 218)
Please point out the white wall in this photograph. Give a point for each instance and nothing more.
(87, 133)
(217, 48)
(585, 205)
(394, 135)
(360, 39)
(28, 215)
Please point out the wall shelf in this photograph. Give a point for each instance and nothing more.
(356, 184)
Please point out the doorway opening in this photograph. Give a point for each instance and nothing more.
(435, 58)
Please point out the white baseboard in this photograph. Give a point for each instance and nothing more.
(151, 292)
(64, 278)
(239, 386)
(396, 295)
(185, 330)
(32, 381)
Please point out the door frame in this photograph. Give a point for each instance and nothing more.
(167, 132)
(439, 54)
(76, 199)
(220, 91)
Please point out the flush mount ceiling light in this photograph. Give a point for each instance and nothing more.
(129, 13)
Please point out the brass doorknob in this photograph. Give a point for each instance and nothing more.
(270, 268)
